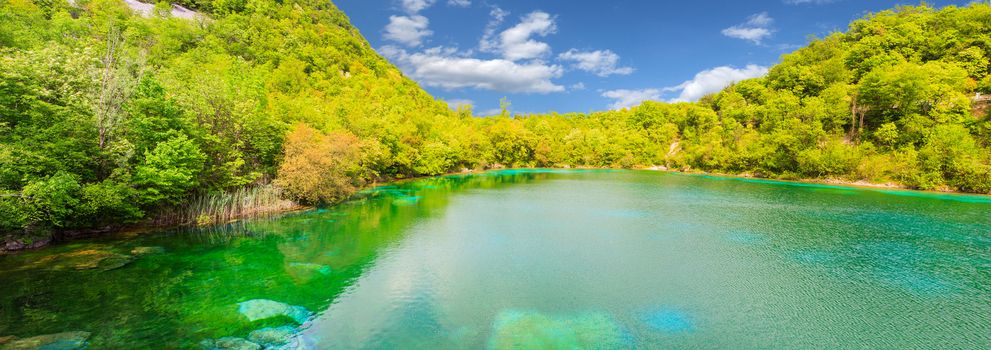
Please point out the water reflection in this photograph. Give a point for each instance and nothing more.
(534, 259)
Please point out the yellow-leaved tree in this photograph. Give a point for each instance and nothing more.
(319, 167)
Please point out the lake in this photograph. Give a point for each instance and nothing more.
(534, 259)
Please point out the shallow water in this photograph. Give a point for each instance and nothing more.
(538, 259)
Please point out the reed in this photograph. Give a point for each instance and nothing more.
(220, 207)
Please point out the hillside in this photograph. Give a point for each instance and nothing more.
(897, 99)
(111, 118)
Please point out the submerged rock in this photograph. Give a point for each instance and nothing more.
(517, 329)
(57, 341)
(138, 251)
(668, 320)
(260, 309)
(406, 200)
(310, 267)
(272, 337)
(229, 343)
(83, 259)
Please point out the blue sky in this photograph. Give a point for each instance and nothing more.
(581, 55)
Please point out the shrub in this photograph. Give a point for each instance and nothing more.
(318, 167)
(54, 200)
(13, 214)
(169, 171)
(831, 159)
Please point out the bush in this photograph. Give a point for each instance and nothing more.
(318, 167)
(972, 177)
(54, 200)
(830, 159)
(108, 203)
(952, 154)
(169, 171)
(13, 214)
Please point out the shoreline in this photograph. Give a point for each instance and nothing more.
(11, 246)
(853, 184)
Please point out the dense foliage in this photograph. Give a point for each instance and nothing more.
(108, 117)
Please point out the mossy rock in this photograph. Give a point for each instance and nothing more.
(139, 251)
(272, 337)
(57, 341)
(260, 309)
(321, 269)
(84, 259)
(229, 343)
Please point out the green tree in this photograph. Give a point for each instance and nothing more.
(169, 171)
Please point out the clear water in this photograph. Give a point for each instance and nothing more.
(540, 259)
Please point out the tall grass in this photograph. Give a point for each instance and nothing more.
(221, 207)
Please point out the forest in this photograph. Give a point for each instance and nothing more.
(110, 118)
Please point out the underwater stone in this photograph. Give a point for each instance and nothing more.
(260, 309)
(57, 341)
(84, 259)
(115, 261)
(229, 343)
(147, 250)
(272, 337)
(668, 320)
(518, 329)
(310, 267)
(406, 200)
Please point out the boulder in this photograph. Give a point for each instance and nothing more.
(260, 309)
(57, 341)
(272, 338)
(11, 244)
(229, 343)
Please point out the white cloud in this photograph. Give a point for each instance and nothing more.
(487, 43)
(516, 43)
(704, 83)
(415, 6)
(447, 68)
(713, 80)
(578, 86)
(520, 69)
(600, 62)
(756, 29)
(490, 112)
(407, 30)
(629, 98)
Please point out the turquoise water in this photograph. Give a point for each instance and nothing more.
(535, 259)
